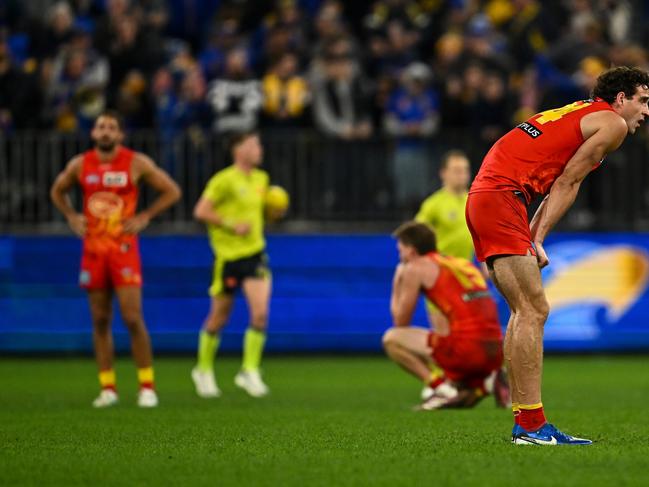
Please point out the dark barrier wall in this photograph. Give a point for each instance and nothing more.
(330, 293)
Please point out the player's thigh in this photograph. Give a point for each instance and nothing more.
(412, 338)
(94, 272)
(519, 279)
(100, 302)
(257, 291)
(125, 266)
(130, 303)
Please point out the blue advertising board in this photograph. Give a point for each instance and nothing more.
(331, 293)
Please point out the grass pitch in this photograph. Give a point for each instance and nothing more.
(330, 421)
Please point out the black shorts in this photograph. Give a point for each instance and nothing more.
(230, 274)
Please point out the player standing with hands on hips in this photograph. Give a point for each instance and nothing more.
(548, 155)
(109, 175)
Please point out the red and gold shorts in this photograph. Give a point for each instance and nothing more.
(113, 267)
(498, 224)
(466, 360)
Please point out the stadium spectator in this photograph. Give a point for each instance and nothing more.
(58, 29)
(329, 24)
(282, 30)
(236, 97)
(412, 118)
(152, 14)
(133, 102)
(584, 40)
(225, 36)
(20, 97)
(286, 94)
(131, 49)
(531, 28)
(485, 46)
(75, 91)
(107, 25)
(340, 97)
(406, 12)
(617, 16)
(392, 50)
(490, 116)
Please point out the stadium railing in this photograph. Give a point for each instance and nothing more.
(330, 181)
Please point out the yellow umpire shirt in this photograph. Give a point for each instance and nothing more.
(444, 211)
(237, 197)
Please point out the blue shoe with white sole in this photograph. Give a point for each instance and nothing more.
(547, 434)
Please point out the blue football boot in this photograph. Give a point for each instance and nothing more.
(547, 434)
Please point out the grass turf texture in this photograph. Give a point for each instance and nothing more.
(329, 421)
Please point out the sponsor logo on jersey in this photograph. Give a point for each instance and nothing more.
(115, 179)
(92, 179)
(84, 277)
(104, 204)
(530, 129)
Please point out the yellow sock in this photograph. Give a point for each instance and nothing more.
(145, 377)
(253, 347)
(208, 344)
(528, 407)
(107, 379)
(436, 375)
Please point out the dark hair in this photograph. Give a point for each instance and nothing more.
(115, 115)
(418, 235)
(450, 155)
(238, 137)
(615, 80)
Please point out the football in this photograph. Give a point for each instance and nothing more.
(276, 201)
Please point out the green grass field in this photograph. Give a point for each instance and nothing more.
(329, 421)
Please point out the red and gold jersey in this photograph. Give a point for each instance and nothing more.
(533, 155)
(109, 198)
(461, 293)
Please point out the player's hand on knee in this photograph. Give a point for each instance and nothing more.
(78, 224)
(541, 256)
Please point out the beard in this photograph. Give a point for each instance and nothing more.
(105, 145)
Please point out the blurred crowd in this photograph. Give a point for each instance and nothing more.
(349, 69)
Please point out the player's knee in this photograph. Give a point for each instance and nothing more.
(535, 313)
(541, 309)
(389, 338)
(259, 319)
(132, 319)
(101, 323)
(214, 322)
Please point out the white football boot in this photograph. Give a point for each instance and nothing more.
(105, 399)
(251, 382)
(147, 398)
(205, 383)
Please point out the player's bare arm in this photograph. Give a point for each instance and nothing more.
(534, 224)
(59, 195)
(204, 212)
(405, 294)
(146, 170)
(608, 132)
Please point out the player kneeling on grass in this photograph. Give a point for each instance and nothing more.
(467, 345)
(232, 206)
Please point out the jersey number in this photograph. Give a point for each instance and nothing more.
(556, 113)
(465, 272)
